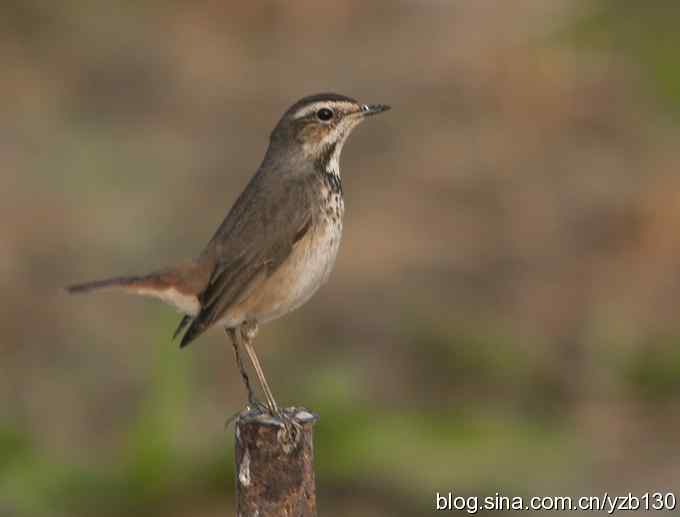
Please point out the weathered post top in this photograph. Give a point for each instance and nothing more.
(275, 464)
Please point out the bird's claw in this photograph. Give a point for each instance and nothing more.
(291, 430)
(252, 405)
(256, 405)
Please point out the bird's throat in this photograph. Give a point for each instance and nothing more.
(333, 182)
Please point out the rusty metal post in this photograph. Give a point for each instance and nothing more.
(275, 465)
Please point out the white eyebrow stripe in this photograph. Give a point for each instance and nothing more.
(303, 112)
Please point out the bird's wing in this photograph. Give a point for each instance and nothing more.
(256, 237)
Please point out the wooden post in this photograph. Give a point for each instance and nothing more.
(275, 465)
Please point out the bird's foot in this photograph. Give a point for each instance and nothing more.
(256, 405)
(253, 406)
(290, 430)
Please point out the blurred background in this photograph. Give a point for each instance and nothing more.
(502, 316)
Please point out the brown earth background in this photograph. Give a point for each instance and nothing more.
(503, 313)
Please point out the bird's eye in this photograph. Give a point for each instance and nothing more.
(324, 114)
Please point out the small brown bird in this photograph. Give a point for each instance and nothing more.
(279, 241)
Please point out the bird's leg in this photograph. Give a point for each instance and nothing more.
(291, 429)
(249, 331)
(236, 339)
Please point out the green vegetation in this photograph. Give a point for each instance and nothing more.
(644, 32)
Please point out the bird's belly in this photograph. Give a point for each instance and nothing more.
(299, 277)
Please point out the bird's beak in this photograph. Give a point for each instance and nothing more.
(373, 109)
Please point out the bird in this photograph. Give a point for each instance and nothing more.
(276, 246)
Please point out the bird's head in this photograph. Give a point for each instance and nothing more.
(316, 127)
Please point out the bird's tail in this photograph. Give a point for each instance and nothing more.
(120, 282)
(176, 286)
(162, 285)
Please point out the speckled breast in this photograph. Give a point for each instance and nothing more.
(310, 263)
